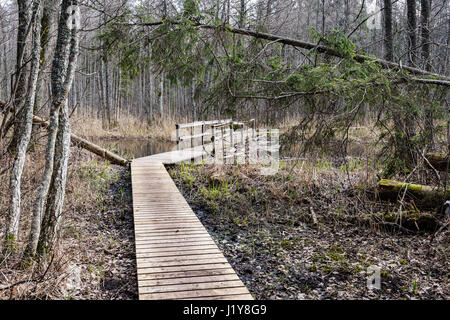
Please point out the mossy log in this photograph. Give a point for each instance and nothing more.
(83, 143)
(422, 195)
(438, 161)
(412, 220)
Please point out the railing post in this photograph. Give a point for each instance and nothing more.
(247, 149)
(203, 132)
(177, 130)
(203, 140)
(232, 142)
(253, 128)
(213, 128)
(223, 144)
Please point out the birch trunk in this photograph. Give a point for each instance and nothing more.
(20, 83)
(52, 187)
(12, 226)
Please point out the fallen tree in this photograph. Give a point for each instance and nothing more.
(438, 78)
(422, 195)
(439, 161)
(83, 143)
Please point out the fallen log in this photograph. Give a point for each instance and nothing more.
(422, 195)
(83, 143)
(438, 161)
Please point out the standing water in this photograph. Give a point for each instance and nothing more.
(132, 148)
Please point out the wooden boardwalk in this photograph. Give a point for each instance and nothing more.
(176, 257)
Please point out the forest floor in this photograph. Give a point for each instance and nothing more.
(310, 231)
(265, 227)
(95, 258)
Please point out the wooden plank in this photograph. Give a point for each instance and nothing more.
(189, 273)
(193, 293)
(181, 220)
(176, 250)
(164, 217)
(167, 224)
(173, 245)
(171, 236)
(179, 263)
(168, 233)
(175, 281)
(185, 253)
(191, 286)
(150, 229)
(166, 221)
(181, 259)
(172, 241)
(175, 255)
(183, 268)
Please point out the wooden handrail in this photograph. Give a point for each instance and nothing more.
(183, 138)
(201, 123)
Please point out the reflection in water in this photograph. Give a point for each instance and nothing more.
(134, 148)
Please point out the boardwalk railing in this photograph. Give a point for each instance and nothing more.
(224, 142)
(228, 141)
(208, 130)
(220, 139)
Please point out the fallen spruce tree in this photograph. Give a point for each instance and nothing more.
(439, 161)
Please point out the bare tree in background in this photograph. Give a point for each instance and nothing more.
(388, 40)
(411, 30)
(425, 46)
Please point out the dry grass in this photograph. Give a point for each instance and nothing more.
(127, 127)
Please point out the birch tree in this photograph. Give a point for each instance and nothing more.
(12, 226)
(44, 235)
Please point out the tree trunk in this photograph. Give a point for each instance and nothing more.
(12, 226)
(411, 30)
(63, 70)
(388, 40)
(423, 195)
(20, 82)
(161, 96)
(425, 43)
(242, 14)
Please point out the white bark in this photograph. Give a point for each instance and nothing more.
(57, 154)
(12, 226)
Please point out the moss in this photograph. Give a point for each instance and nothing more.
(11, 244)
(402, 261)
